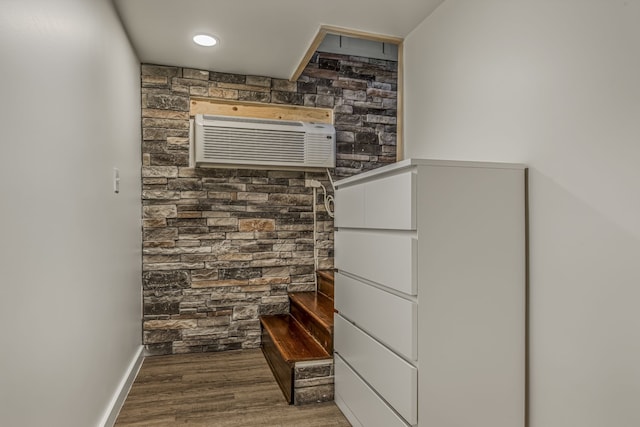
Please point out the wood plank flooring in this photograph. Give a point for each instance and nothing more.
(227, 389)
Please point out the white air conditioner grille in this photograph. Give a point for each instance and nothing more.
(318, 149)
(221, 140)
(246, 145)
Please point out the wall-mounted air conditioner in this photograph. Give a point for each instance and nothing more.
(263, 143)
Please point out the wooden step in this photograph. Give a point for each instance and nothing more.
(292, 340)
(285, 342)
(314, 311)
(325, 282)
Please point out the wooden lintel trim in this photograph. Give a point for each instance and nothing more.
(317, 40)
(224, 107)
(400, 105)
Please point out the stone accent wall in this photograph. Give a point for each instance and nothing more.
(314, 382)
(363, 94)
(223, 246)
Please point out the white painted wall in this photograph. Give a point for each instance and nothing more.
(70, 261)
(556, 85)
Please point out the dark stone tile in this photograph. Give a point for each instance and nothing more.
(328, 64)
(161, 308)
(366, 138)
(159, 349)
(167, 159)
(306, 372)
(239, 273)
(227, 78)
(187, 222)
(165, 279)
(159, 70)
(185, 184)
(168, 102)
(249, 95)
(307, 87)
(290, 98)
(161, 336)
(278, 308)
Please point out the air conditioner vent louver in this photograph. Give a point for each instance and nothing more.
(221, 140)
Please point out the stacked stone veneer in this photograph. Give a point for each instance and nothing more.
(363, 95)
(223, 246)
(313, 382)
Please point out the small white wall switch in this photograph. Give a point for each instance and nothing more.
(116, 180)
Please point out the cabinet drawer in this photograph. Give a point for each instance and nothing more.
(386, 317)
(393, 378)
(349, 206)
(384, 203)
(384, 258)
(363, 406)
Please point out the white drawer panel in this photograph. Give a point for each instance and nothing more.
(387, 259)
(385, 203)
(386, 317)
(393, 378)
(361, 402)
(389, 202)
(349, 205)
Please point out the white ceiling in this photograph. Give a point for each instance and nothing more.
(257, 37)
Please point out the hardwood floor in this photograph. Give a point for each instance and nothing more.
(227, 389)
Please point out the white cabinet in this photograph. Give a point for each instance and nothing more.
(431, 296)
(370, 408)
(387, 202)
(389, 318)
(369, 255)
(393, 378)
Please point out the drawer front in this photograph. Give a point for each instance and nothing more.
(349, 203)
(386, 317)
(361, 402)
(393, 378)
(387, 259)
(390, 202)
(385, 203)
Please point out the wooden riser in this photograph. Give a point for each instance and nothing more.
(314, 312)
(325, 282)
(282, 370)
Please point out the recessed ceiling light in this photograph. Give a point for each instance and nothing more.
(205, 40)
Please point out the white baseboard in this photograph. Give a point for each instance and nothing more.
(111, 414)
